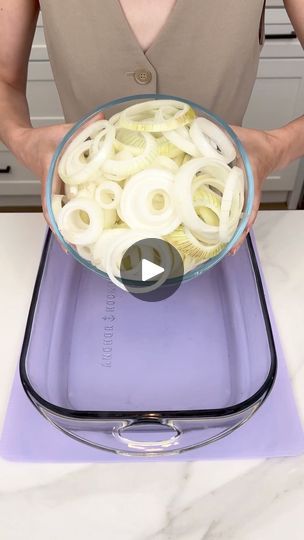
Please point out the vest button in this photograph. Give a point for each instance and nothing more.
(143, 76)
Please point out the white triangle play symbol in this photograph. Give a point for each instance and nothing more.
(150, 270)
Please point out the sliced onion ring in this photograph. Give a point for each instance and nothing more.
(131, 166)
(85, 252)
(186, 243)
(102, 246)
(184, 201)
(166, 148)
(181, 139)
(232, 192)
(201, 129)
(166, 163)
(152, 116)
(119, 248)
(100, 149)
(135, 204)
(129, 140)
(110, 218)
(57, 205)
(108, 195)
(72, 226)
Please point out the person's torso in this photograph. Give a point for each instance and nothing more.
(206, 51)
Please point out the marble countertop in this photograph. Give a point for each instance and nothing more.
(239, 500)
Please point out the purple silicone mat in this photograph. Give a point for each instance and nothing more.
(274, 430)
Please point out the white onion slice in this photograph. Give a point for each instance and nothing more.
(206, 182)
(231, 193)
(135, 204)
(181, 138)
(108, 195)
(115, 177)
(100, 149)
(85, 252)
(186, 243)
(117, 251)
(72, 226)
(208, 215)
(135, 258)
(206, 251)
(123, 155)
(189, 264)
(183, 197)
(187, 158)
(131, 166)
(87, 190)
(57, 205)
(207, 205)
(201, 129)
(70, 191)
(166, 163)
(75, 159)
(103, 244)
(132, 141)
(166, 148)
(114, 119)
(110, 218)
(180, 159)
(156, 116)
(87, 133)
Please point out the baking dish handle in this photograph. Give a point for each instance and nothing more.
(151, 437)
(185, 435)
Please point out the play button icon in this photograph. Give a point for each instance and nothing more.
(151, 270)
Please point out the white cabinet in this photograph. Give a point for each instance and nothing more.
(274, 3)
(41, 92)
(277, 98)
(16, 179)
(18, 186)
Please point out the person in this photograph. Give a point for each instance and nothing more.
(203, 50)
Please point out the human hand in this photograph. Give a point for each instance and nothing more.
(35, 148)
(264, 149)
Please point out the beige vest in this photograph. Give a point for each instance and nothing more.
(207, 52)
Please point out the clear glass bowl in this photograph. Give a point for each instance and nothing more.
(54, 185)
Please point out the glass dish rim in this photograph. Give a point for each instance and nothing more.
(203, 267)
(257, 398)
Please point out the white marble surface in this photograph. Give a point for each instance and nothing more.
(239, 500)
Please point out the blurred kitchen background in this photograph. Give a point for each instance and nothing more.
(278, 97)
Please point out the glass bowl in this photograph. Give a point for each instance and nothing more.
(54, 184)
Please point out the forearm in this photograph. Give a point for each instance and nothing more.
(14, 114)
(18, 22)
(290, 140)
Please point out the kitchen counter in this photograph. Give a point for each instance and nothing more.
(239, 500)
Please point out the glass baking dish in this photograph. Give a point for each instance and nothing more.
(147, 379)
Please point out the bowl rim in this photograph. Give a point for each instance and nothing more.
(201, 268)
